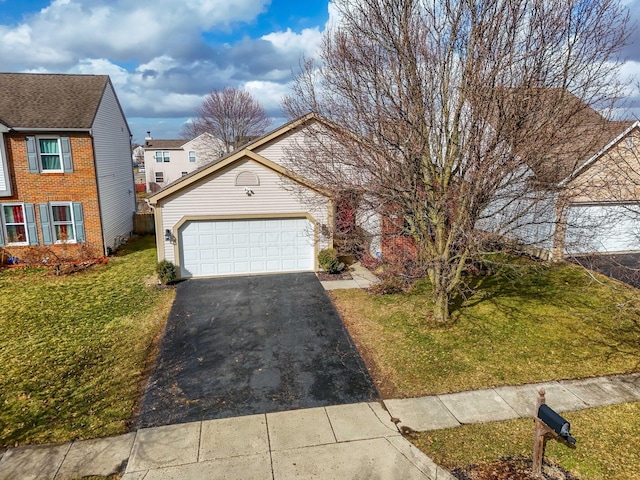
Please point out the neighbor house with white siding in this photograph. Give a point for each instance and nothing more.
(165, 161)
(583, 195)
(66, 180)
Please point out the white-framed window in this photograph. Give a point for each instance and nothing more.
(14, 221)
(192, 156)
(159, 177)
(162, 157)
(62, 222)
(49, 154)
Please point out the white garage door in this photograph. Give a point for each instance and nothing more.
(228, 247)
(603, 228)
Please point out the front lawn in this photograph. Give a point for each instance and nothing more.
(527, 323)
(74, 349)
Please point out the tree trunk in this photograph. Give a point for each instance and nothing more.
(440, 305)
(440, 293)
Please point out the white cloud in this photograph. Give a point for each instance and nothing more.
(269, 94)
(306, 42)
(68, 30)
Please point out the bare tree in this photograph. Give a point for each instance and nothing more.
(447, 105)
(231, 115)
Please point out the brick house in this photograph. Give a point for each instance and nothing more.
(66, 181)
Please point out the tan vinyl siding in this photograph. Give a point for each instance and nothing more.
(218, 196)
(112, 145)
(280, 150)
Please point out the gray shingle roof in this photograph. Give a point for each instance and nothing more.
(164, 144)
(34, 100)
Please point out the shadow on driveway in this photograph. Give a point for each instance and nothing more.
(243, 345)
(623, 266)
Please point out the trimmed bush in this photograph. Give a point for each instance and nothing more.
(328, 261)
(166, 271)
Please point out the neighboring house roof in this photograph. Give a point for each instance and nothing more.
(154, 144)
(242, 153)
(565, 128)
(164, 144)
(50, 101)
(630, 127)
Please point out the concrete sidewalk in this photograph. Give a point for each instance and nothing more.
(504, 403)
(337, 442)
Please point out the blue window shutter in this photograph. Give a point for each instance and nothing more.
(78, 221)
(30, 214)
(65, 145)
(45, 223)
(32, 155)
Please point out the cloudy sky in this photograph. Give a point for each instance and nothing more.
(164, 56)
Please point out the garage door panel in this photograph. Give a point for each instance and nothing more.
(224, 239)
(241, 267)
(272, 237)
(207, 254)
(223, 268)
(258, 266)
(205, 240)
(224, 254)
(225, 247)
(602, 229)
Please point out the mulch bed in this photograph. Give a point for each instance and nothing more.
(510, 468)
(327, 277)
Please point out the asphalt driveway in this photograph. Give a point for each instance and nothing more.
(243, 345)
(622, 266)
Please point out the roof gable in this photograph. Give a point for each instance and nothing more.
(244, 152)
(227, 162)
(50, 101)
(631, 127)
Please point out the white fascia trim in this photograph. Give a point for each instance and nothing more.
(594, 157)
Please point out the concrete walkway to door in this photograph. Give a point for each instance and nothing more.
(258, 344)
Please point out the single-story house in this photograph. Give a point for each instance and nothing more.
(246, 213)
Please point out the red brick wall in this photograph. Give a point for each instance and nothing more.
(396, 246)
(77, 186)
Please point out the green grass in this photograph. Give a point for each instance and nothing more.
(527, 323)
(608, 446)
(73, 349)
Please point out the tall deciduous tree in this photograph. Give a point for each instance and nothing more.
(448, 104)
(230, 114)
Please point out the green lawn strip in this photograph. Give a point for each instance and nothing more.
(608, 445)
(524, 324)
(73, 349)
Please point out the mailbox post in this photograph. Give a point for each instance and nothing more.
(546, 421)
